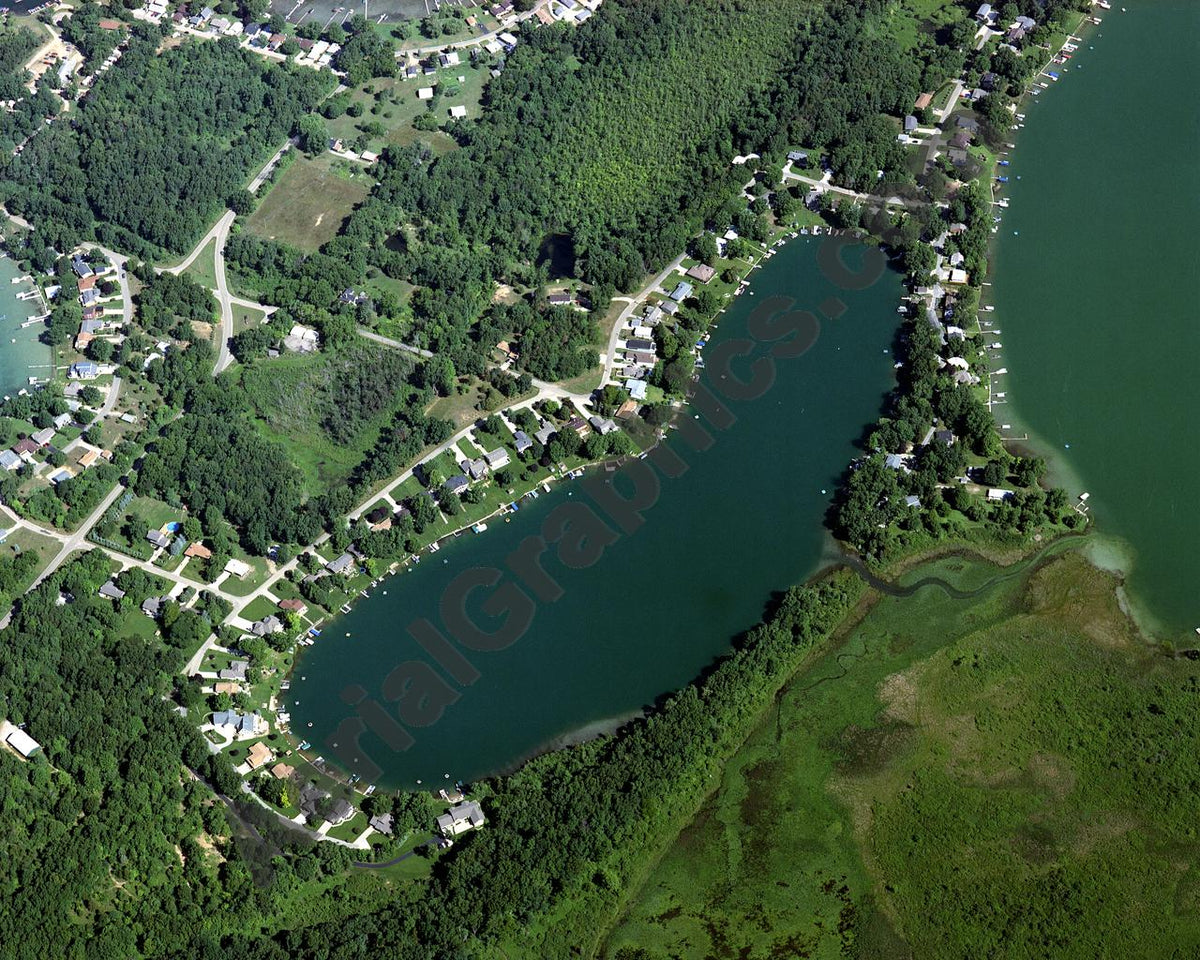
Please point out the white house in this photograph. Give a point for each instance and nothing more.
(461, 818)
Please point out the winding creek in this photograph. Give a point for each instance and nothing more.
(744, 520)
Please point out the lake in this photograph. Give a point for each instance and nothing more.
(22, 355)
(1097, 290)
(744, 520)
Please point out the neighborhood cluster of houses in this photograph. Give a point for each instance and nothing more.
(637, 348)
(1015, 32)
(35, 450)
(96, 321)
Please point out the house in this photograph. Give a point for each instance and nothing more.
(258, 755)
(153, 607)
(543, 435)
(88, 457)
(84, 370)
(235, 671)
(340, 811)
(475, 469)
(670, 306)
(158, 538)
(61, 476)
(87, 283)
(1026, 23)
(237, 568)
(62, 420)
(627, 410)
(560, 299)
(1015, 34)
(81, 267)
(266, 626)
(281, 771)
(9, 460)
(25, 449)
(302, 339)
(22, 742)
(636, 344)
(637, 389)
(912, 501)
(984, 13)
(199, 550)
(294, 605)
(110, 591)
(240, 726)
(497, 459)
(602, 425)
(381, 823)
(701, 272)
(923, 101)
(681, 292)
(227, 686)
(967, 123)
(997, 494)
(579, 425)
(910, 123)
(523, 442)
(343, 564)
(797, 156)
(42, 437)
(461, 818)
(897, 461)
(456, 484)
(425, 93)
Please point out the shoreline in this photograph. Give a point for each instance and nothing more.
(23, 290)
(1106, 551)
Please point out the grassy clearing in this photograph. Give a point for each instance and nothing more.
(983, 777)
(392, 105)
(299, 401)
(311, 200)
(203, 269)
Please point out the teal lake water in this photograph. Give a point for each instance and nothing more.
(744, 521)
(1098, 297)
(27, 356)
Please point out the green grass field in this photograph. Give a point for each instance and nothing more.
(1002, 776)
(203, 269)
(311, 199)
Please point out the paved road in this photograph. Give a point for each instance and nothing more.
(826, 186)
(111, 400)
(610, 356)
(394, 860)
(224, 356)
(261, 177)
(471, 41)
(378, 338)
(76, 540)
(119, 261)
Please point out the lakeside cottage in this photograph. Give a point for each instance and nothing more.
(461, 818)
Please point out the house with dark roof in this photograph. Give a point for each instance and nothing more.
(158, 538)
(343, 564)
(497, 459)
(456, 484)
(461, 818)
(110, 591)
(681, 292)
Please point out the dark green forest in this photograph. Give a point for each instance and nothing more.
(158, 145)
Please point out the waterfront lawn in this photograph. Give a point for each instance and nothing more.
(349, 830)
(311, 200)
(1014, 725)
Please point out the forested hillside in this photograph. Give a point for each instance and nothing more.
(158, 145)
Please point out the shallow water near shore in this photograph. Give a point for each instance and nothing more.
(27, 357)
(745, 520)
(1097, 295)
